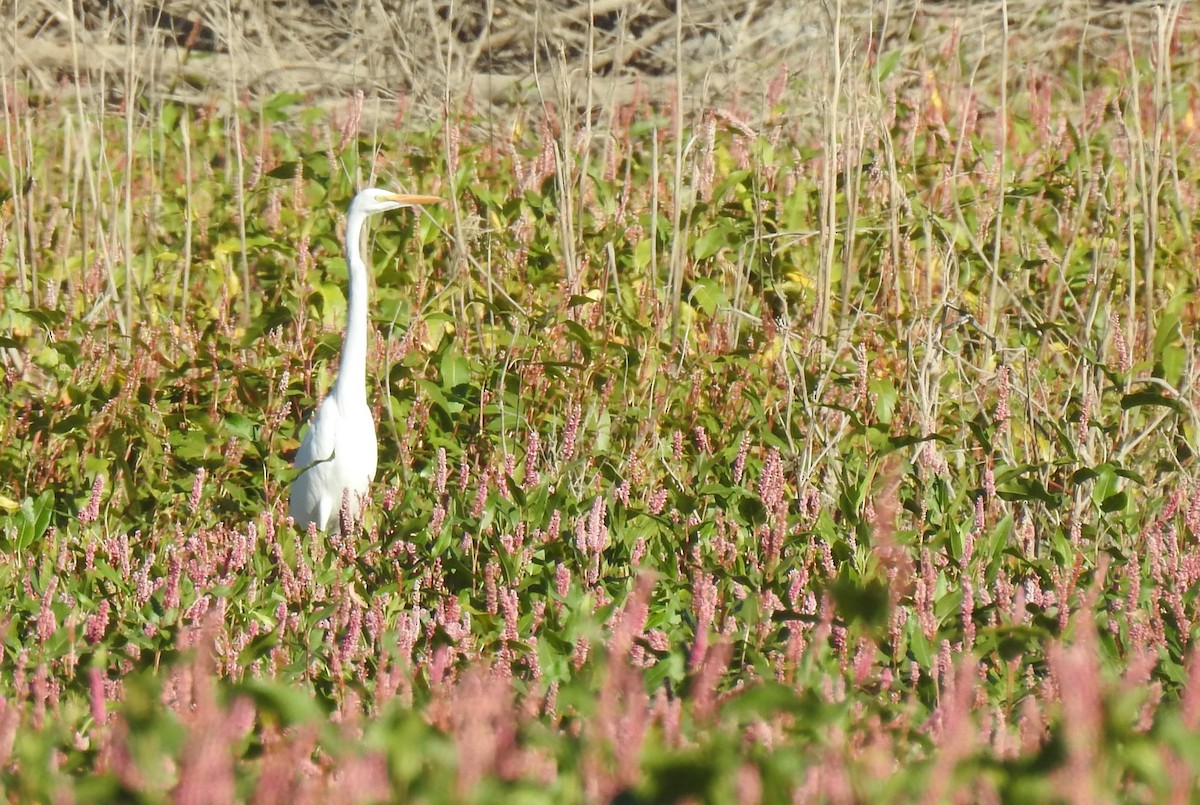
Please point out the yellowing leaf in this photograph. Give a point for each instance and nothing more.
(799, 278)
(771, 351)
(435, 330)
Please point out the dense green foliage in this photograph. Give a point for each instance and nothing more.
(726, 471)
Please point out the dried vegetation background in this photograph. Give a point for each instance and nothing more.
(508, 54)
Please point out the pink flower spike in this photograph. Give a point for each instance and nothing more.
(91, 512)
(97, 695)
(197, 488)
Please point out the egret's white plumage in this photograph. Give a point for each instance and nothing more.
(339, 452)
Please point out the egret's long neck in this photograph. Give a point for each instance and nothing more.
(351, 382)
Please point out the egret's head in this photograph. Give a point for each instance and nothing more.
(373, 200)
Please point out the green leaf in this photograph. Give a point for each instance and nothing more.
(286, 705)
(711, 242)
(286, 170)
(1010, 641)
(581, 336)
(707, 293)
(858, 599)
(1115, 503)
(277, 107)
(1027, 489)
(884, 391)
(434, 392)
(455, 370)
(241, 426)
(1138, 399)
(887, 63)
(34, 519)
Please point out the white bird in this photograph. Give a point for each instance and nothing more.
(339, 452)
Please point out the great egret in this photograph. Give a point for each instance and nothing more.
(339, 452)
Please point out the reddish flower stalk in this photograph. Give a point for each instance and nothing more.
(97, 624)
(739, 463)
(1124, 361)
(439, 482)
(197, 489)
(47, 623)
(97, 696)
(771, 482)
(570, 432)
(1003, 414)
(91, 512)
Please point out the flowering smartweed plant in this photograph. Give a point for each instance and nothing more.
(793, 465)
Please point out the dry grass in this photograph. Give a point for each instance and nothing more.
(504, 54)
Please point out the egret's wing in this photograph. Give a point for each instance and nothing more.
(320, 437)
(316, 448)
